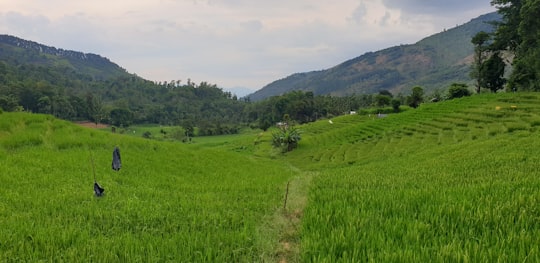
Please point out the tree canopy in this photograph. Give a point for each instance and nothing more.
(518, 34)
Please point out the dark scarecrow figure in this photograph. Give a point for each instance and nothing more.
(98, 190)
(116, 160)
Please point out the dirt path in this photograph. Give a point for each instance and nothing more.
(90, 124)
(290, 218)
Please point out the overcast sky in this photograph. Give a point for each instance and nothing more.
(231, 43)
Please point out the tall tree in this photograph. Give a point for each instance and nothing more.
(506, 35)
(480, 42)
(94, 108)
(493, 72)
(518, 33)
(526, 74)
(121, 117)
(416, 97)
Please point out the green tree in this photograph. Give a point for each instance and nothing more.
(493, 72)
(395, 104)
(506, 35)
(382, 100)
(518, 34)
(458, 90)
(94, 109)
(121, 117)
(8, 102)
(44, 105)
(178, 133)
(62, 108)
(28, 98)
(386, 93)
(480, 42)
(526, 74)
(416, 97)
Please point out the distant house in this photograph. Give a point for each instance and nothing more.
(282, 125)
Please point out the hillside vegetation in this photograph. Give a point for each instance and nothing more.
(77, 86)
(450, 181)
(434, 63)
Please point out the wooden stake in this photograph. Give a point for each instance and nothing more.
(93, 165)
(286, 196)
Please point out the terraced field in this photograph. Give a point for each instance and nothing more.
(168, 202)
(349, 138)
(456, 181)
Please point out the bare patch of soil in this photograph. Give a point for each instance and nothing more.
(89, 124)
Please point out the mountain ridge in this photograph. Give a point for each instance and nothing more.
(96, 66)
(434, 63)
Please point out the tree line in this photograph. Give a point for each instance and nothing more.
(126, 100)
(508, 57)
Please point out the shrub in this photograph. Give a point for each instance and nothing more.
(286, 138)
(458, 90)
(395, 104)
(147, 135)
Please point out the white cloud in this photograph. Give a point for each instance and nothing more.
(230, 42)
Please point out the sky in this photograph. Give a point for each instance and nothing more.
(231, 43)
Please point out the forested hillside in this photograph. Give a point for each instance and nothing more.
(433, 63)
(15, 51)
(76, 86)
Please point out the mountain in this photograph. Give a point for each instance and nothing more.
(432, 63)
(15, 51)
(79, 86)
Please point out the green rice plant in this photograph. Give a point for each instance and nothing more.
(455, 210)
(406, 201)
(444, 182)
(169, 202)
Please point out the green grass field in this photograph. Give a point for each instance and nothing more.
(168, 202)
(456, 181)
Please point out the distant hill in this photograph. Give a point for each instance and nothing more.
(15, 51)
(433, 63)
(79, 86)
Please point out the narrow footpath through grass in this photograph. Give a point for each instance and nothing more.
(288, 218)
(279, 233)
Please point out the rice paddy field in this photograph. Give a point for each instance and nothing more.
(168, 202)
(455, 181)
(452, 182)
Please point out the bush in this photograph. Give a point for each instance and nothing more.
(395, 104)
(147, 135)
(286, 138)
(458, 90)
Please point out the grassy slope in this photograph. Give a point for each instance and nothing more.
(169, 201)
(455, 181)
(452, 181)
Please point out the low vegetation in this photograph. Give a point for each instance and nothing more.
(286, 138)
(449, 181)
(455, 181)
(446, 180)
(169, 202)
